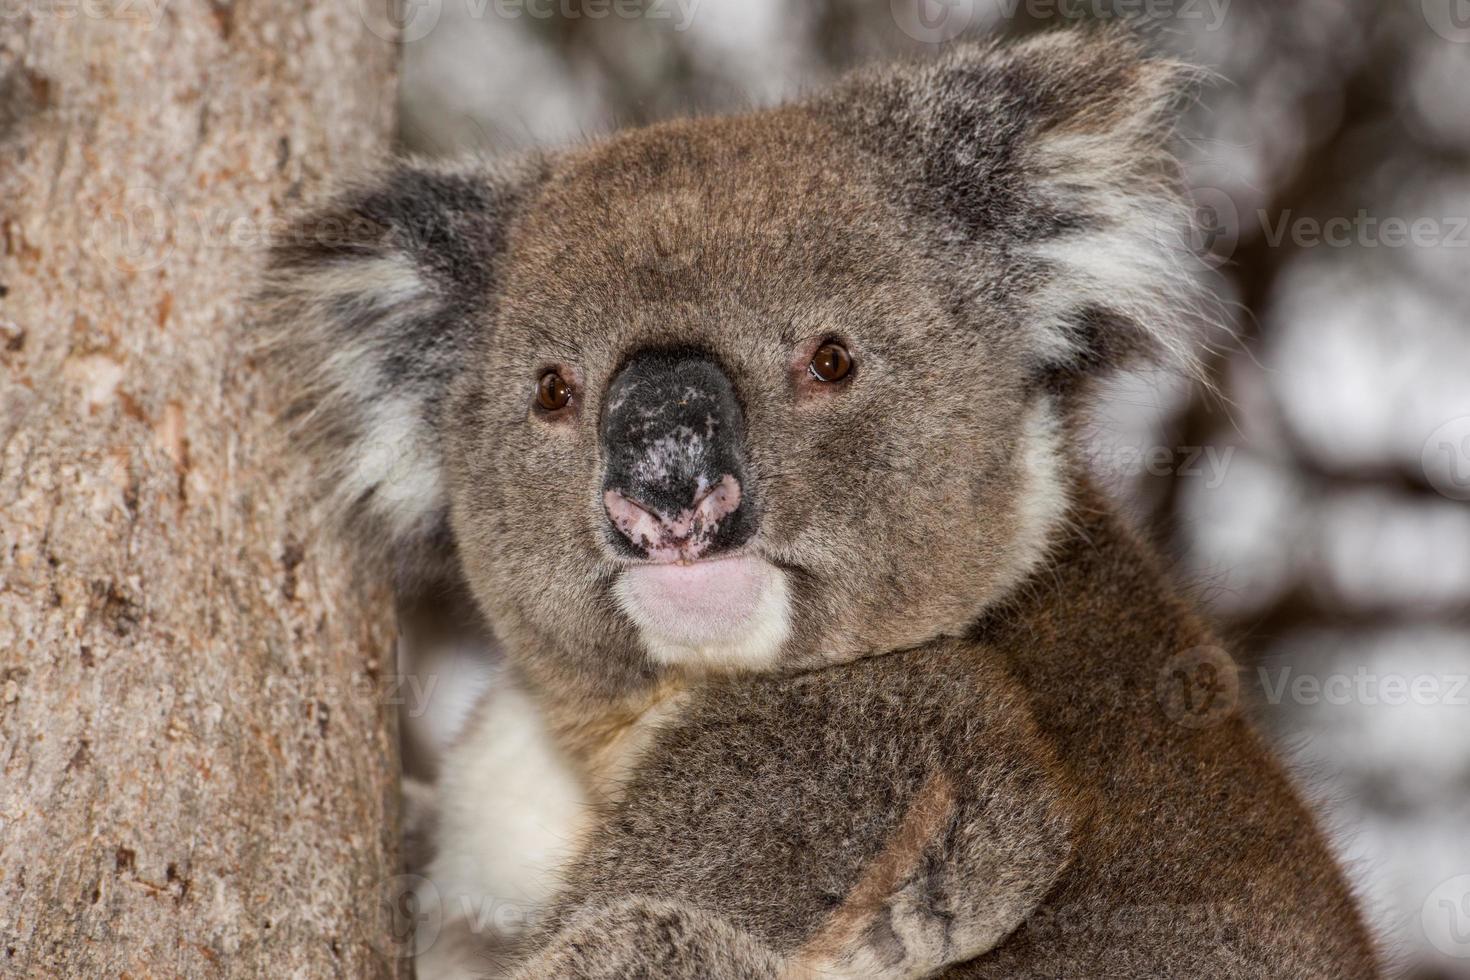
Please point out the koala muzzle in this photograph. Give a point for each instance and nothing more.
(674, 487)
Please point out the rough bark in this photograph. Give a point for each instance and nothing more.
(197, 754)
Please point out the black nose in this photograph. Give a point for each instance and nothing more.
(673, 436)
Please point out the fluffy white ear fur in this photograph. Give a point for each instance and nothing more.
(368, 309)
(370, 438)
(1044, 169)
(1132, 256)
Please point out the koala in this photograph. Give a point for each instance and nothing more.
(753, 441)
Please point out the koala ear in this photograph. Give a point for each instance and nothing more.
(1042, 169)
(369, 308)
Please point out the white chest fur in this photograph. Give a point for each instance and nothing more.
(513, 811)
(511, 814)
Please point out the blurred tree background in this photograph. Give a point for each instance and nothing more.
(1317, 498)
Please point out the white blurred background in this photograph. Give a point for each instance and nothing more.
(1318, 502)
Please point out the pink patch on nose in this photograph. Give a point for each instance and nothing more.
(637, 525)
(681, 537)
(697, 603)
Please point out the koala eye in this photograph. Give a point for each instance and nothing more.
(831, 362)
(552, 392)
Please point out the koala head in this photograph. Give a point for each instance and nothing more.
(744, 393)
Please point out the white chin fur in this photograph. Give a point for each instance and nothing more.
(748, 642)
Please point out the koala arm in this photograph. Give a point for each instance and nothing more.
(875, 936)
(852, 822)
(644, 937)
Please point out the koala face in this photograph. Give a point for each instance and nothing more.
(770, 437)
(749, 393)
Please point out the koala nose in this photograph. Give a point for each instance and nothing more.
(672, 432)
(684, 536)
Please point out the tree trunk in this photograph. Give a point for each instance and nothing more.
(198, 761)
